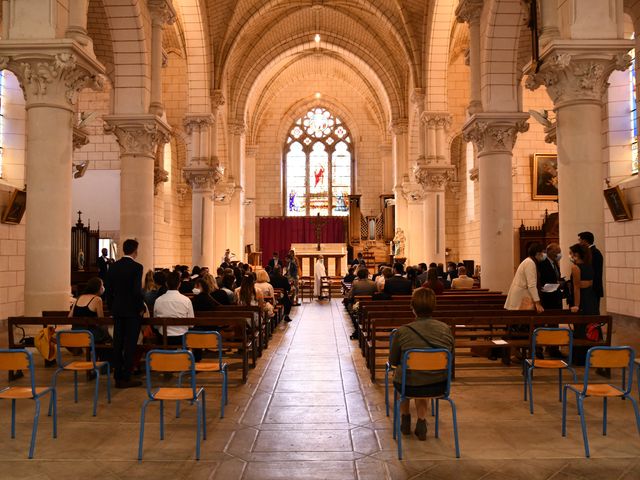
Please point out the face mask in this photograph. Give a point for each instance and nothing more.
(541, 257)
(196, 291)
(101, 291)
(559, 256)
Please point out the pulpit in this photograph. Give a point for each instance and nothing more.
(334, 255)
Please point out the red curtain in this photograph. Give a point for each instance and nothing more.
(278, 233)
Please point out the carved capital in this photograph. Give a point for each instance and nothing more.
(160, 175)
(474, 174)
(578, 73)
(192, 122)
(162, 12)
(433, 178)
(469, 11)
(237, 128)
(454, 188)
(202, 179)
(251, 150)
(224, 192)
(52, 74)
(494, 132)
(399, 126)
(138, 135)
(413, 192)
(417, 99)
(181, 190)
(437, 119)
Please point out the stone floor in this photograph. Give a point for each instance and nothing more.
(309, 411)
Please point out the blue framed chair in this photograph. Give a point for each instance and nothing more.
(81, 339)
(169, 361)
(206, 340)
(602, 357)
(426, 360)
(20, 359)
(547, 337)
(388, 368)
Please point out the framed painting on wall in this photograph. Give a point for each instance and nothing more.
(16, 207)
(544, 176)
(617, 206)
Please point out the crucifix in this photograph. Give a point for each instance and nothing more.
(319, 223)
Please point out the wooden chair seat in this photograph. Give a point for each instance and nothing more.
(21, 392)
(173, 394)
(599, 390)
(551, 364)
(207, 367)
(81, 366)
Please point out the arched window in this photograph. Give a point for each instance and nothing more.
(318, 165)
(633, 111)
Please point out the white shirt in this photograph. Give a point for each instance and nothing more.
(173, 305)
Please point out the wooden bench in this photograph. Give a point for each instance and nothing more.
(380, 330)
(235, 327)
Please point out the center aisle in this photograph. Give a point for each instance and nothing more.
(308, 416)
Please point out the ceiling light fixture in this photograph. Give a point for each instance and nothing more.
(318, 94)
(317, 38)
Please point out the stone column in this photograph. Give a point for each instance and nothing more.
(162, 12)
(386, 157)
(139, 137)
(469, 11)
(236, 177)
(251, 152)
(548, 21)
(576, 74)
(51, 76)
(494, 135)
(77, 28)
(400, 146)
(201, 173)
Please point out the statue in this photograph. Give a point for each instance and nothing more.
(81, 261)
(399, 242)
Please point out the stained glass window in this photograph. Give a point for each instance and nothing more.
(633, 113)
(318, 165)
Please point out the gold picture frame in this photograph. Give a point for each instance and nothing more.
(619, 209)
(15, 208)
(544, 176)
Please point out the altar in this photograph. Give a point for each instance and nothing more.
(334, 254)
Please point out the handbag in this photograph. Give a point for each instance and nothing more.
(594, 332)
(45, 343)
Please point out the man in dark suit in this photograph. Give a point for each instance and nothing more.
(275, 261)
(124, 290)
(549, 273)
(397, 285)
(586, 239)
(104, 262)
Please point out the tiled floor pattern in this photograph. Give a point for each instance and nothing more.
(309, 411)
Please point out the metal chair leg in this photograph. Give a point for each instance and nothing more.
(75, 386)
(13, 418)
(34, 431)
(142, 415)
(437, 429)
(386, 391)
(199, 422)
(96, 392)
(583, 423)
(161, 419)
(564, 411)
(54, 396)
(455, 426)
(604, 415)
(530, 383)
(635, 410)
(178, 401)
(204, 415)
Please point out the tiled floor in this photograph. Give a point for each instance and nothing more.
(309, 411)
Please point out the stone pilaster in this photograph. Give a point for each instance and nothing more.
(139, 137)
(162, 12)
(51, 75)
(470, 11)
(400, 152)
(494, 136)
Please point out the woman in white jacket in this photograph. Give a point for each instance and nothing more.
(319, 272)
(523, 294)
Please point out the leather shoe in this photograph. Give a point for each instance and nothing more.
(421, 429)
(128, 383)
(287, 318)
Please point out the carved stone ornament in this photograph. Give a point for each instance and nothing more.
(55, 74)
(469, 11)
(202, 179)
(138, 135)
(192, 122)
(454, 188)
(224, 192)
(181, 190)
(162, 11)
(474, 174)
(413, 191)
(494, 132)
(400, 126)
(237, 128)
(217, 99)
(80, 137)
(160, 175)
(577, 77)
(433, 178)
(417, 99)
(437, 119)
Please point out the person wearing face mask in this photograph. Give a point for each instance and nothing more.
(202, 300)
(523, 293)
(89, 304)
(585, 301)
